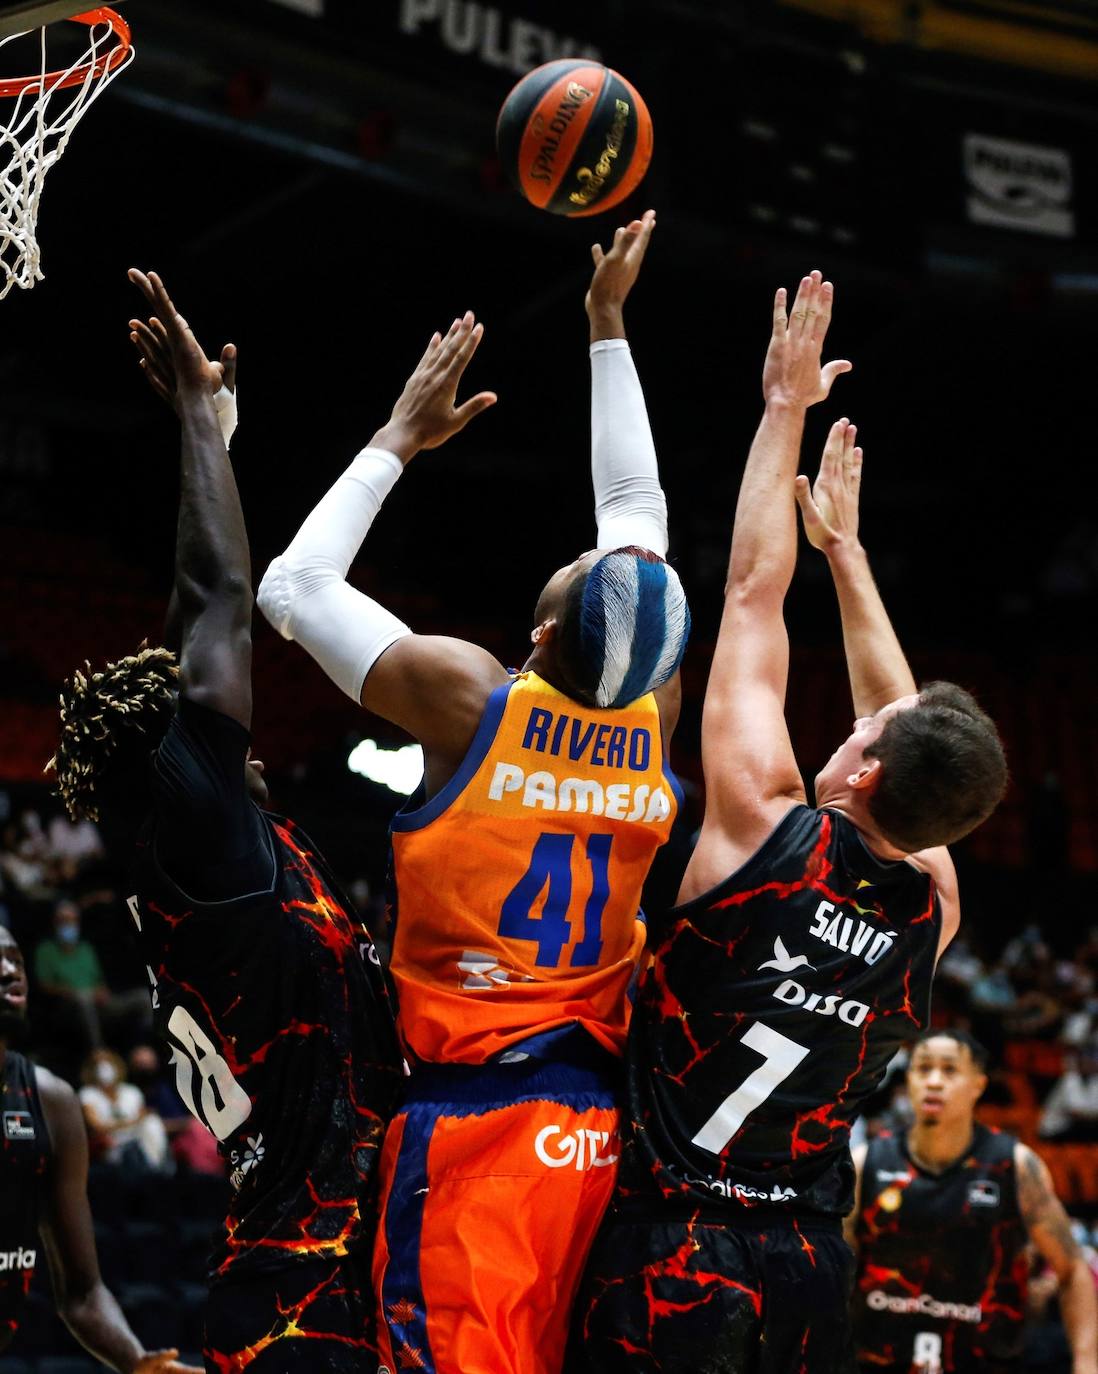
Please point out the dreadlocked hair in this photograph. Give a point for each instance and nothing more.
(98, 711)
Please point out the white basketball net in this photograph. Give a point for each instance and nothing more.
(32, 141)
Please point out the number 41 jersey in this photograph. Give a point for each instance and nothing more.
(516, 887)
(768, 1014)
(283, 1046)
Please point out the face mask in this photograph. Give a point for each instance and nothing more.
(68, 935)
(106, 1073)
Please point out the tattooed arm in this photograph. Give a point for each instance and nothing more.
(1050, 1231)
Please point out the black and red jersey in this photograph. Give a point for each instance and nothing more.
(942, 1270)
(283, 1045)
(25, 1156)
(771, 1007)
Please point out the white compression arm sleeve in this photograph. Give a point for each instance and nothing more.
(225, 405)
(305, 594)
(630, 506)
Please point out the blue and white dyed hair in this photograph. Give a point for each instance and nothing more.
(629, 627)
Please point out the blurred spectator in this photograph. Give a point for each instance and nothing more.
(960, 963)
(122, 1128)
(195, 1150)
(147, 1073)
(193, 1147)
(1071, 1110)
(73, 844)
(67, 970)
(23, 858)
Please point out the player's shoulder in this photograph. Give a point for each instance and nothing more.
(725, 856)
(59, 1101)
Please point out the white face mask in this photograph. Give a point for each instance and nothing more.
(106, 1073)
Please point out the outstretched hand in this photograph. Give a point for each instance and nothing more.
(616, 271)
(830, 508)
(792, 374)
(163, 1362)
(171, 357)
(427, 413)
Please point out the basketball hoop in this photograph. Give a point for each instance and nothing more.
(34, 137)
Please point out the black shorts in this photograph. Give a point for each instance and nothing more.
(318, 1315)
(691, 1298)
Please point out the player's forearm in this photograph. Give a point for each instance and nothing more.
(1079, 1307)
(764, 540)
(98, 1323)
(630, 506)
(212, 558)
(304, 593)
(878, 668)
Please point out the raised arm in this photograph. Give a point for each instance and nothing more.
(1050, 1231)
(433, 687)
(630, 505)
(213, 584)
(878, 668)
(751, 775)
(84, 1303)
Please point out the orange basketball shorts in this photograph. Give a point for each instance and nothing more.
(493, 1182)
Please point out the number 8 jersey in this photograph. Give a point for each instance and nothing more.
(516, 888)
(769, 1013)
(283, 1046)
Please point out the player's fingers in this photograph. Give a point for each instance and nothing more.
(597, 254)
(454, 341)
(833, 370)
(646, 228)
(856, 470)
(800, 307)
(228, 366)
(153, 361)
(823, 315)
(469, 343)
(432, 347)
(810, 512)
(781, 321)
(141, 281)
(483, 401)
(165, 307)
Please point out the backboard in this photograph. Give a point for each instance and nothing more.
(17, 15)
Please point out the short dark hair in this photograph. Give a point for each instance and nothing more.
(943, 770)
(980, 1056)
(105, 716)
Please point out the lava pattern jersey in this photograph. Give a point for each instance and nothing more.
(516, 888)
(25, 1154)
(942, 1269)
(769, 1012)
(283, 1045)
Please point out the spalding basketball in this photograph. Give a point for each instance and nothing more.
(574, 137)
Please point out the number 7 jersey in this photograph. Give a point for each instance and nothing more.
(516, 888)
(769, 1013)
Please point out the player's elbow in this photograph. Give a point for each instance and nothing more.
(199, 591)
(751, 591)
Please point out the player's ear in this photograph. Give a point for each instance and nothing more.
(543, 633)
(867, 777)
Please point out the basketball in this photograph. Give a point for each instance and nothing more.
(575, 137)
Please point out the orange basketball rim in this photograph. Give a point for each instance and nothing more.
(97, 67)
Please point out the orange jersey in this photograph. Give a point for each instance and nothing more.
(517, 886)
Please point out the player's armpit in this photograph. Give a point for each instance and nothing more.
(939, 864)
(1042, 1211)
(436, 688)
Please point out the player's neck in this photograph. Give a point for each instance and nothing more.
(858, 817)
(938, 1146)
